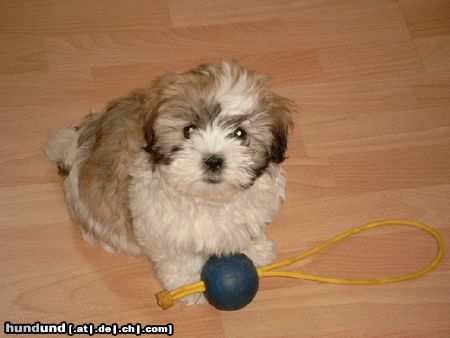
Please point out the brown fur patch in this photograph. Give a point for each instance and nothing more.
(114, 137)
(280, 110)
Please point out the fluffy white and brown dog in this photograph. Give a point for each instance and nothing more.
(179, 171)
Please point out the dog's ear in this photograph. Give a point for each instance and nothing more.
(280, 110)
(161, 90)
(149, 120)
(149, 136)
(144, 109)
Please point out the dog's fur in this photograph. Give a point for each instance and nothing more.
(137, 178)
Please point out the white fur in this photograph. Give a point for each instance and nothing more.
(177, 233)
(178, 220)
(180, 233)
(235, 97)
(186, 172)
(62, 146)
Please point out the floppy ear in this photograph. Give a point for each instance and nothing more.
(152, 98)
(148, 129)
(280, 110)
(141, 109)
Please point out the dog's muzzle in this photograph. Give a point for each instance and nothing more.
(213, 166)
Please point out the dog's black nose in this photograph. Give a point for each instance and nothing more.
(213, 162)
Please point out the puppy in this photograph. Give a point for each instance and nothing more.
(179, 171)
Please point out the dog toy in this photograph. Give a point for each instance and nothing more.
(231, 282)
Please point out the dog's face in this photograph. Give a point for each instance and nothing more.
(214, 131)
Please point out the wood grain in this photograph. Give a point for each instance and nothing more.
(372, 141)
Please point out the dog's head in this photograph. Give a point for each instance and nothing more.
(215, 130)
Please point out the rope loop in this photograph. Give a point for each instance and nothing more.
(167, 299)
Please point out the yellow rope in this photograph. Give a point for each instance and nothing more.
(167, 298)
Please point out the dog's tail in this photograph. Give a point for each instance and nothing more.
(62, 146)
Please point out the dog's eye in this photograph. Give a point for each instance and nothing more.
(240, 134)
(187, 131)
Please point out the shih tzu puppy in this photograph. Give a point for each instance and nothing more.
(179, 171)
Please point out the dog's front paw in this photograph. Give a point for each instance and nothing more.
(261, 251)
(195, 299)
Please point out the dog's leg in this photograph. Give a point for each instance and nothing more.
(178, 270)
(261, 251)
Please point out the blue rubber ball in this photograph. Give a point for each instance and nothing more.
(231, 281)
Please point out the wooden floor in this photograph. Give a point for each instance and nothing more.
(372, 141)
